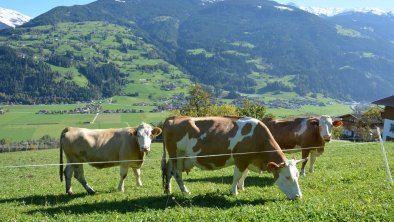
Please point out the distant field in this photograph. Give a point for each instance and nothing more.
(350, 184)
(21, 123)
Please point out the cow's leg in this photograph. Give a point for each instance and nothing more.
(137, 174)
(68, 174)
(305, 154)
(80, 176)
(178, 177)
(241, 182)
(123, 174)
(314, 155)
(236, 178)
(168, 176)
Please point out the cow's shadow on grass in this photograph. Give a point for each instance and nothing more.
(41, 200)
(257, 181)
(55, 204)
(160, 202)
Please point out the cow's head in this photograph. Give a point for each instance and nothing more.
(286, 175)
(145, 134)
(325, 124)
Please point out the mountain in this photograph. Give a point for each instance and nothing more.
(10, 18)
(337, 11)
(246, 46)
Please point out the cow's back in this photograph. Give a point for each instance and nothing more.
(220, 141)
(284, 131)
(98, 145)
(290, 133)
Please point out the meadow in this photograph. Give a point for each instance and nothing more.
(20, 122)
(350, 183)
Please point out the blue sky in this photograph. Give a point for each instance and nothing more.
(36, 7)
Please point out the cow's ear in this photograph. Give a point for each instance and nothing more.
(272, 167)
(156, 131)
(314, 122)
(337, 123)
(132, 132)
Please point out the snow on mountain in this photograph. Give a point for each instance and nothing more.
(12, 18)
(336, 11)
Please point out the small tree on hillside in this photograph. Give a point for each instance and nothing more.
(199, 103)
(254, 110)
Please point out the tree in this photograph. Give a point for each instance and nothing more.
(251, 109)
(199, 103)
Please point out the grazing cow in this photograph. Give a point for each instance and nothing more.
(103, 148)
(212, 143)
(309, 134)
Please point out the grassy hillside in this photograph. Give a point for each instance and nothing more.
(248, 46)
(71, 48)
(350, 184)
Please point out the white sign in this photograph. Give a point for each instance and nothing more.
(388, 129)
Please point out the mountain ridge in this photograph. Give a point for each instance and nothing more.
(250, 46)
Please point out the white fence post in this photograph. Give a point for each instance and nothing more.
(385, 157)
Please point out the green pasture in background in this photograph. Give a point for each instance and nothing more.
(22, 123)
(350, 183)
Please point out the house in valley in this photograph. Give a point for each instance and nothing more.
(388, 116)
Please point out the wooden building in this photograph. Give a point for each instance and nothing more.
(349, 126)
(388, 116)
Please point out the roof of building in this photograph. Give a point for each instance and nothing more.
(388, 101)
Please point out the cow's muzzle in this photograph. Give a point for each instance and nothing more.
(145, 149)
(327, 138)
(297, 197)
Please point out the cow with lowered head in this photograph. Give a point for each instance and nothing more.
(212, 143)
(101, 148)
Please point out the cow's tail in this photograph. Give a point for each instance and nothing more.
(164, 165)
(61, 154)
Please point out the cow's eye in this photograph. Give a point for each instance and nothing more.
(288, 177)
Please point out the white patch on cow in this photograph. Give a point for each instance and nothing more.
(288, 180)
(185, 149)
(325, 125)
(238, 136)
(302, 129)
(144, 136)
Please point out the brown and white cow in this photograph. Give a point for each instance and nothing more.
(212, 143)
(101, 148)
(308, 134)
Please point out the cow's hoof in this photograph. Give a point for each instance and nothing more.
(69, 192)
(186, 192)
(234, 193)
(166, 191)
(241, 188)
(91, 192)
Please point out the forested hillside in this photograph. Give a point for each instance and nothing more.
(243, 46)
(81, 62)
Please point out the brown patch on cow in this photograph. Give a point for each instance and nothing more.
(156, 131)
(132, 132)
(246, 129)
(314, 122)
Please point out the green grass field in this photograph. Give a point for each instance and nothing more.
(21, 123)
(350, 183)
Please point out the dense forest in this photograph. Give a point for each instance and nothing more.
(27, 81)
